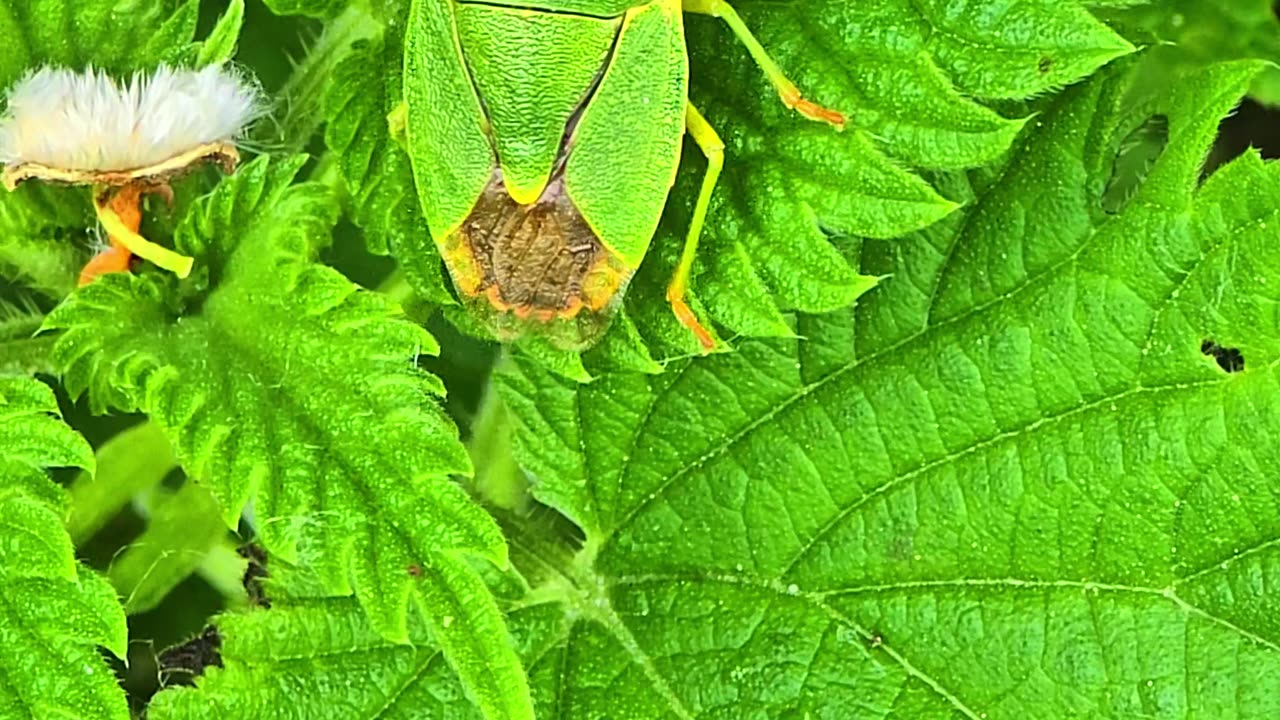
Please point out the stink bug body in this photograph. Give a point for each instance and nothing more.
(544, 137)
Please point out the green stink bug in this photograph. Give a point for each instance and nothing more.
(545, 136)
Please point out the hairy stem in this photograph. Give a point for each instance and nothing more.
(498, 478)
(301, 100)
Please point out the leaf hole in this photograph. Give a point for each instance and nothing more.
(1137, 154)
(1229, 359)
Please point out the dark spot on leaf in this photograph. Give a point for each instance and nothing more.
(1229, 359)
(254, 574)
(415, 570)
(875, 640)
(1046, 64)
(189, 660)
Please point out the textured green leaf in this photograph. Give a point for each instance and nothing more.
(278, 380)
(301, 101)
(901, 70)
(1018, 486)
(221, 43)
(52, 611)
(287, 662)
(20, 352)
(102, 32)
(43, 236)
(171, 41)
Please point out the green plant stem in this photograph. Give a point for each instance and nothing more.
(302, 97)
(130, 468)
(498, 478)
(397, 288)
(183, 526)
(129, 463)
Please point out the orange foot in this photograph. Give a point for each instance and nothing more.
(689, 320)
(112, 260)
(792, 99)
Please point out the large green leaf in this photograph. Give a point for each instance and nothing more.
(279, 381)
(1031, 476)
(53, 611)
(905, 72)
(183, 529)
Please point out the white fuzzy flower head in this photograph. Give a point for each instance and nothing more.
(86, 126)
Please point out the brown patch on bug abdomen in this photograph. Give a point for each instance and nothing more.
(540, 262)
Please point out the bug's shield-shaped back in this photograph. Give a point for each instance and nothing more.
(540, 263)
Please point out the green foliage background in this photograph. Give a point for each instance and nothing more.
(993, 433)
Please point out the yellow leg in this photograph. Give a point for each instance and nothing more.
(787, 90)
(713, 147)
(123, 232)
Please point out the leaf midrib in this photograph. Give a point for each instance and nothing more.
(929, 329)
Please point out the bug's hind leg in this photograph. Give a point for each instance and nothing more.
(120, 212)
(787, 90)
(713, 147)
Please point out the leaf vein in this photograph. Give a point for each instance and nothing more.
(984, 444)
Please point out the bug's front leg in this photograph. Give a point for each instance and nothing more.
(713, 148)
(787, 90)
